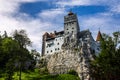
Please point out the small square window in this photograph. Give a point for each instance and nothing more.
(47, 51)
(51, 50)
(98, 49)
(55, 49)
(57, 43)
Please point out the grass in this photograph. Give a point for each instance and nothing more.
(59, 77)
(35, 75)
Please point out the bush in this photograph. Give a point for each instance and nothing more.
(60, 77)
(73, 72)
(44, 70)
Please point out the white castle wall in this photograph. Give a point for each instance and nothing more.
(53, 45)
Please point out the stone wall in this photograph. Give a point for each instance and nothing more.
(65, 61)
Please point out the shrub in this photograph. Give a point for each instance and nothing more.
(44, 70)
(73, 72)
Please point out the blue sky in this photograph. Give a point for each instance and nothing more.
(34, 8)
(40, 16)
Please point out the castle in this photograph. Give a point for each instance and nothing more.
(70, 38)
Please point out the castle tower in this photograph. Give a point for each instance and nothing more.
(98, 39)
(71, 27)
(43, 43)
(71, 24)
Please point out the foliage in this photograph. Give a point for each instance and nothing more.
(44, 70)
(35, 75)
(14, 55)
(21, 38)
(106, 66)
(60, 77)
(73, 72)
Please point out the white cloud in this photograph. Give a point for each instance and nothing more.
(115, 8)
(73, 3)
(12, 6)
(64, 3)
(34, 27)
(8, 6)
(52, 13)
(107, 23)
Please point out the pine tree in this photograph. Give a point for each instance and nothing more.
(106, 66)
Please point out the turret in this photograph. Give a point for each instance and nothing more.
(99, 36)
(43, 43)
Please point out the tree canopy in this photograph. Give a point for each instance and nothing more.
(106, 66)
(14, 55)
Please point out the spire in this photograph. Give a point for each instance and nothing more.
(99, 36)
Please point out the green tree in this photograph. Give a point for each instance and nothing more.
(14, 54)
(106, 66)
(23, 40)
(9, 51)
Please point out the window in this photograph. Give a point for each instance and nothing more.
(70, 24)
(51, 50)
(68, 32)
(47, 51)
(55, 49)
(67, 29)
(87, 35)
(57, 43)
(72, 28)
(98, 49)
(58, 49)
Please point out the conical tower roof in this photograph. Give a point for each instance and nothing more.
(99, 36)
